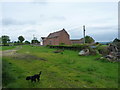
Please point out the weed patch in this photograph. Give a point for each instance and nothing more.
(28, 57)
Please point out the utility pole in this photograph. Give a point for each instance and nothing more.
(84, 34)
(33, 39)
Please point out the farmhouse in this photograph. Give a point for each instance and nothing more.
(57, 38)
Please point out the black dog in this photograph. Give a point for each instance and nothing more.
(34, 77)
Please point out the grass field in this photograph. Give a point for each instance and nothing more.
(6, 47)
(67, 70)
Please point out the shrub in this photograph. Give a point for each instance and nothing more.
(97, 43)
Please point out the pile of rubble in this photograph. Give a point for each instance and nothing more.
(112, 55)
(114, 52)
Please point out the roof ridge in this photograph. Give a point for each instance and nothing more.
(60, 30)
(57, 33)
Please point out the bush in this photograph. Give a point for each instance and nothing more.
(27, 42)
(97, 43)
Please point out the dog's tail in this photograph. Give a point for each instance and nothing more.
(40, 72)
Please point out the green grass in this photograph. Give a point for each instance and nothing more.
(66, 70)
(6, 47)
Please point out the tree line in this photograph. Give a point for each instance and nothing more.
(5, 41)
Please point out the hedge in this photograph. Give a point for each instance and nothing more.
(74, 47)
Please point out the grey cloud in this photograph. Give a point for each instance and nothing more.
(103, 27)
(108, 34)
(105, 37)
(46, 18)
(62, 18)
(77, 33)
(0, 22)
(103, 20)
(41, 2)
(31, 31)
(8, 21)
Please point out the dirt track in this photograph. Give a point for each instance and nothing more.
(12, 53)
(9, 52)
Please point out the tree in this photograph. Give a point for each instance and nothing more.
(97, 43)
(27, 42)
(15, 41)
(21, 38)
(35, 42)
(18, 42)
(89, 39)
(5, 39)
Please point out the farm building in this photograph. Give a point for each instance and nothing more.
(57, 38)
(76, 41)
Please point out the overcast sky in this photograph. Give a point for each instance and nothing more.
(42, 18)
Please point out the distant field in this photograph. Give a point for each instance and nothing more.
(67, 70)
(6, 47)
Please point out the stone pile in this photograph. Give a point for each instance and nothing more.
(114, 55)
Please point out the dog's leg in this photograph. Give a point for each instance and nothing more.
(38, 78)
(31, 80)
(35, 79)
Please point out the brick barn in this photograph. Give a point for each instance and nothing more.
(77, 41)
(57, 38)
